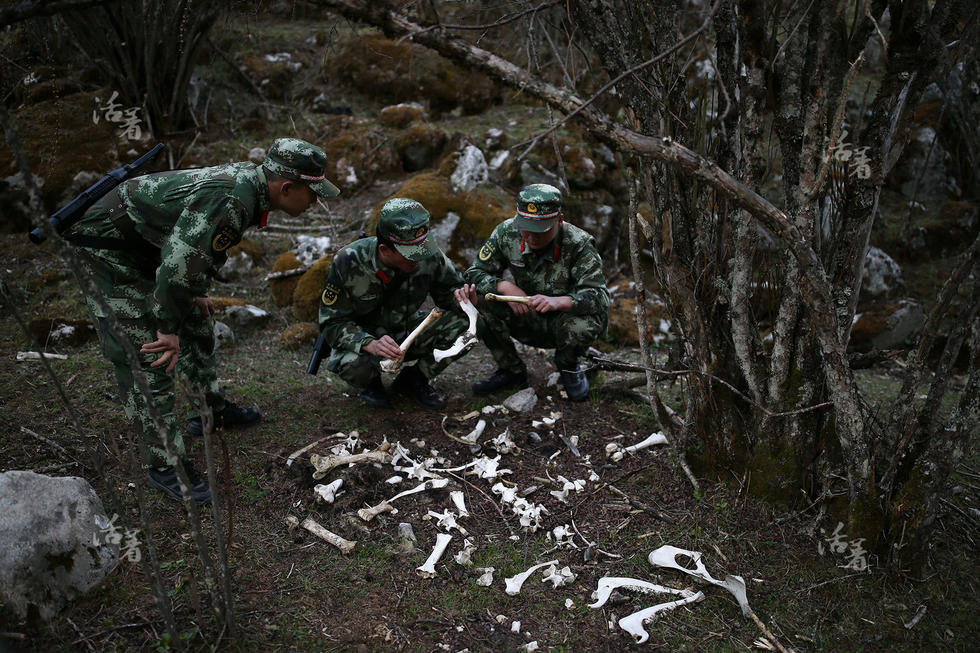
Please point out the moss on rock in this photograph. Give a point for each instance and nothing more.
(306, 297)
(282, 289)
(299, 335)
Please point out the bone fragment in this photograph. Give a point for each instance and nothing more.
(514, 583)
(464, 556)
(328, 492)
(394, 365)
(457, 499)
(665, 557)
(609, 583)
(515, 627)
(36, 356)
(324, 464)
(345, 546)
(367, 514)
(466, 339)
(655, 438)
(633, 624)
(519, 299)
(428, 570)
(557, 577)
(486, 578)
(474, 435)
(447, 520)
(299, 452)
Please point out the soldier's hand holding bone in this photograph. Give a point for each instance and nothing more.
(511, 288)
(466, 293)
(547, 303)
(384, 347)
(167, 344)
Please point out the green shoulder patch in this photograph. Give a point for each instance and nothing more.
(486, 251)
(225, 238)
(329, 296)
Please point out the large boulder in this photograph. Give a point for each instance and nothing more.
(887, 326)
(52, 544)
(881, 274)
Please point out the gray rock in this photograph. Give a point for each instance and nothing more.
(535, 173)
(256, 154)
(237, 266)
(471, 170)
(51, 544)
(521, 402)
(245, 316)
(223, 335)
(900, 325)
(310, 249)
(881, 273)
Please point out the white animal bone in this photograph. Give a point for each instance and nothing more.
(655, 438)
(345, 546)
(503, 443)
(507, 494)
(474, 435)
(464, 557)
(529, 514)
(633, 624)
(457, 499)
(428, 570)
(486, 578)
(515, 627)
(447, 520)
(299, 452)
(367, 514)
(328, 492)
(324, 464)
(665, 557)
(609, 583)
(487, 467)
(567, 486)
(519, 299)
(394, 365)
(514, 583)
(558, 577)
(466, 339)
(563, 536)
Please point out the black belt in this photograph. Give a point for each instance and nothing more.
(146, 253)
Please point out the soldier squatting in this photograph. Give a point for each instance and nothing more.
(154, 243)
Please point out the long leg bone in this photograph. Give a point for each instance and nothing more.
(428, 570)
(514, 583)
(493, 297)
(345, 546)
(633, 624)
(655, 438)
(466, 339)
(457, 498)
(299, 452)
(367, 514)
(324, 464)
(394, 365)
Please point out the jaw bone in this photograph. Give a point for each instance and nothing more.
(633, 624)
(324, 464)
(428, 570)
(665, 557)
(514, 583)
(367, 514)
(466, 339)
(609, 583)
(394, 365)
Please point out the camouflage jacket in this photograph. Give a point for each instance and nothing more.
(570, 265)
(193, 217)
(363, 298)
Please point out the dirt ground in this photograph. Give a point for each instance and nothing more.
(294, 592)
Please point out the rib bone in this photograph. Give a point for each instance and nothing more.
(367, 514)
(466, 339)
(428, 570)
(394, 365)
(493, 297)
(345, 546)
(514, 583)
(633, 624)
(324, 464)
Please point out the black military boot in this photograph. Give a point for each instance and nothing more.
(412, 383)
(501, 380)
(232, 416)
(576, 384)
(166, 481)
(374, 393)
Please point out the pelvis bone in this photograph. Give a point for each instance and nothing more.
(633, 624)
(665, 557)
(324, 464)
(394, 365)
(466, 339)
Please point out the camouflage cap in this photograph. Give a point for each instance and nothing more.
(291, 158)
(405, 224)
(538, 206)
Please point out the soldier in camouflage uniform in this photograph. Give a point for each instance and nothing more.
(557, 266)
(371, 299)
(152, 246)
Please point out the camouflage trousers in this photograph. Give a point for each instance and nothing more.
(129, 293)
(359, 368)
(569, 335)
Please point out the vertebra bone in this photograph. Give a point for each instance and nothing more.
(428, 570)
(466, 339)
(394, 365)
(514, 583)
